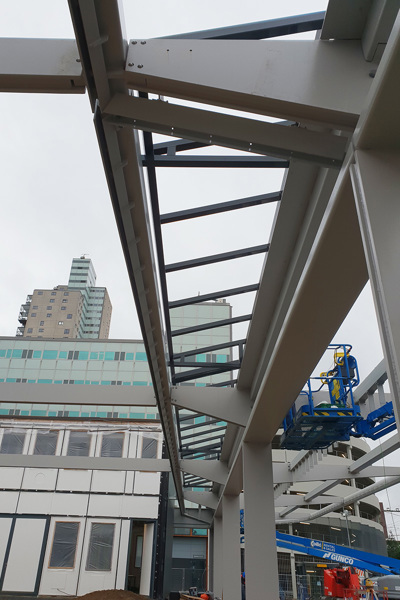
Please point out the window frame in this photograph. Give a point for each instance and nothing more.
(52, 544)
(88, 548)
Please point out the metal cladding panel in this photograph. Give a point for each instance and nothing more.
(69, 504)
(39, 479)
(104, 506)
(123, 553)
(5, 526)
(19, 579)
(130, 478)
(8, 501)
(35, 503)
(108, 481)
(146, 483)
(93, 580)
(11, 478)
(65, 581)
(74, 480)
(140, 507)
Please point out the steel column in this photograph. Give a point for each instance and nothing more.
(231, 548)
(261, 562)
(217, 563)
(375, 178)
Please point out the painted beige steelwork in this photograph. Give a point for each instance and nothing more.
(343, 91)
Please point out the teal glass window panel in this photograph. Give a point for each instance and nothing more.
(4, 411)
(200, 385)
(74, 413)
(52, 413)
(123, 415)
(45, 381)
(94, 355)
(222, 358)
(101, 415)
(199, 531)
(139, 383)
(109, 356)
(62, 354)
(200, 358)
(93, 414)
(201, 419)
(2, 380)
(9, 352)
(37, 354)
(150, 416)
(83, 355)
(11, 380)
(58, 381)
(137, 415)
(141, 356)
(126, 383)
(38, 413)
(17, 353)
(24, 413)
(128, 355)
(31, 380)
(105, 382)
(2, 353)
(101, 355)
(87, 382)
(94, 383)
(79, 381)
(49, 354)
(85, 414)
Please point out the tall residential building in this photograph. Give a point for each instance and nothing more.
(77, 310)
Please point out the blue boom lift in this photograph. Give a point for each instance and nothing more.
(311, 427)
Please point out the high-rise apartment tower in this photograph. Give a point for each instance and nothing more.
(77, 310)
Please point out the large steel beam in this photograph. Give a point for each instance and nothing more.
(121, 156)
(44, 66)
(271, 77)
(384, 449)
(330, 472)
(230, 131)
(226, 404)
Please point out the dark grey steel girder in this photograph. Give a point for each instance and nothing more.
(260, 30)
(207, 349)
(217, 162)
(209, 365)
(213, 209)
(211, 325)
(207, 372)
(214, 295)
(230, 382)
(214, 258)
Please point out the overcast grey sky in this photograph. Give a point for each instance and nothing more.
(55, 199)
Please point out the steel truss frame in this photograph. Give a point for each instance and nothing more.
(333, 147)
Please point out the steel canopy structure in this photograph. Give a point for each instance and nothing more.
(326, 111)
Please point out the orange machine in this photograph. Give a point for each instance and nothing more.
(339, 583)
